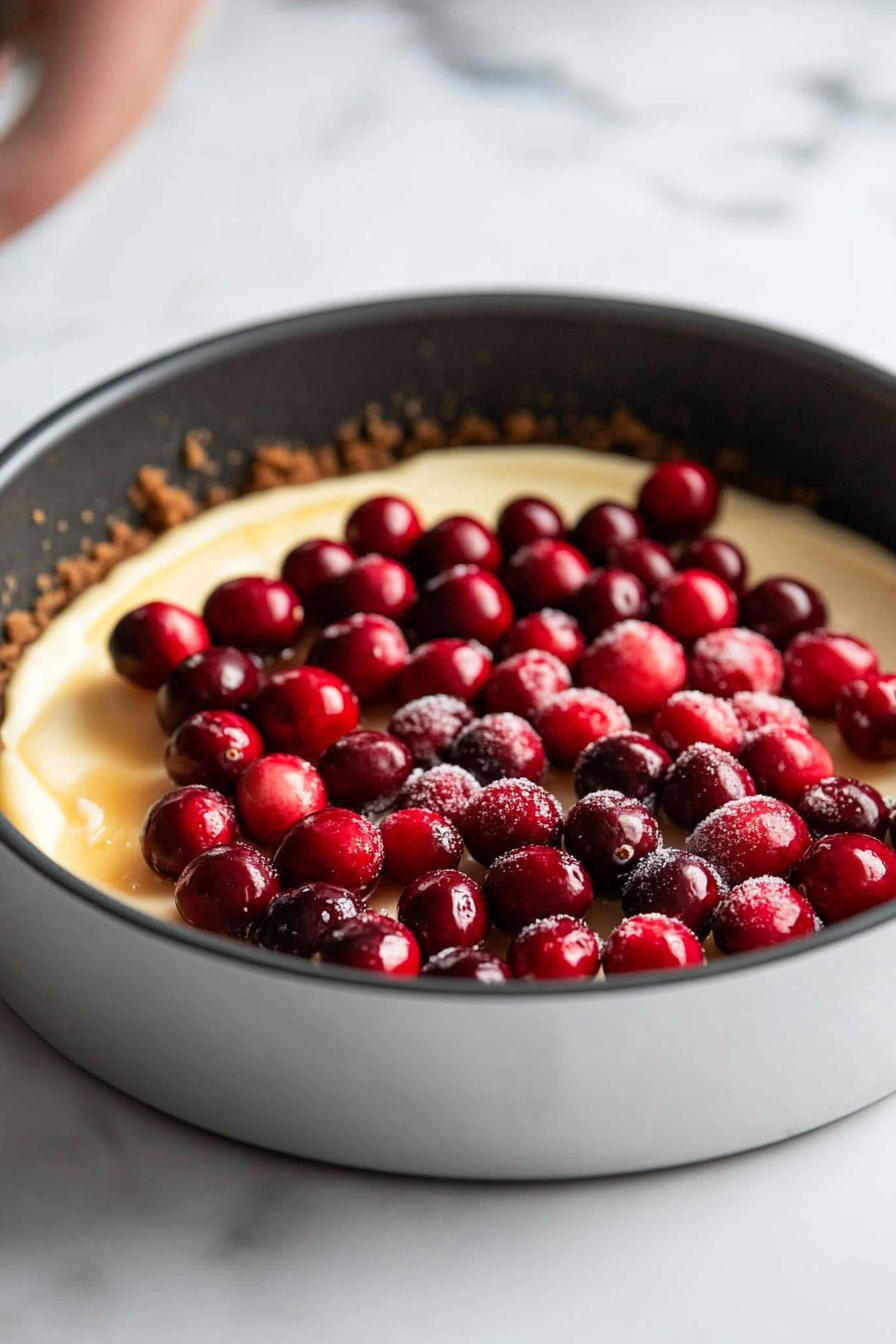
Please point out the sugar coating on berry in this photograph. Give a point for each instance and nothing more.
(651, 942)
(756, 709)
(570, 721)
(499, 746)
(751, 837)
(762, 912)
(446, 789)
(702, 779)
(525, 681)
(468, 963)
(637, 664)
(693, 716)
(673, 882)
(724, 662)
(429, 725)
(508, 814)
(785, 761)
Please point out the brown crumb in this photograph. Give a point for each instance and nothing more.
(161, 505)
(38, 517)
(62, 526)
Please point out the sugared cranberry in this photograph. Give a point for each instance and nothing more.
(216, 678)
(782, 608)
(718, 557)
(254, 613)
(212, 748)
(673, 882)
(693, 603)
(647, 559)
(372, 942)
(182, 824)
(608, 596)
(866, 716)
(499, 746)
(610, 834)
(759, 913)
(842, 875)
(443, 909)
(534, 883)
(605, 525)
(274, 793)
(365, 770)
(334, 845)
(445, 667)
(384, 524)
(650, 943)
(702, 779)
(819, 664)
(546, 573)
(692, 716)
(304, 709)
(750, 837)
(310, 565)
(556, 948)
(725, 662)
(678, 499)
(550, 629)
(784, 762)
(374, 585)
(468, 963)
(756, 709)
(465, 603)
(296, 922)
(526, 519)
(839, 804)
(628, 763)
(509, 814)
(429, 725)
(637, 664)
(568, 722)
(366, 651)
(524, 682)
(446, 789)
(458, 540)
(416, 841)
(225, 889)
(150, 641)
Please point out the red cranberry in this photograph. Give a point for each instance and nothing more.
(446, 789)
(304, 709)
(702, 779)
(750, 837)
(647, 559)
(416, 841)
(650, 943)
(466, 603)
(608, 596)
(693, 603)
(819, 665)
(372, 942)
(225, 889)
(334, 845)
(554, 631)
(374, 585)
(784, 762)
(678, 499)
(628, 763)
(724, 662)
(444, 909)
(310, 565)
(429, 725)
(509, 814)
(150, 641)
(570, 721)
(781, 608)
(842, 875)
(445, 667)
(182, 824)
(524, 682)
(673, 882)
(759, 913)
(756, 709)
(499, 746)
(556, 948)
(526, 519)
(866, 716)
(216, 678)
(718, 557)
(365, 770)
(296, 922)
(366, 651)
(692, 716)
(386, 525)
(458, 540)
(604, 525)
(838, 804)
(255, 613)
(212, 748)
(610, 834)
(274, 793)
(468, 963)
(546, 573)
(637, 664)
(534, 883)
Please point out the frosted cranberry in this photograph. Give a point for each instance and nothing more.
(446, 789)
(182, 824)
(556, 948)
(650, 943)
(608, 596)
(820, 664)
(464, 602)
(386, 525)
(534, 883)
(554, 631)
(255, 613)
(604, 525)
(610, 834)
(866, 716)
(756, 709)
(225, 889)
(309, 566)
(575, 718)
(678, 499)
(429, 725)
(150, 641)
(693, 603)
(840, 804)
(673, 882)
(334, 845)
(212, 748)
(509, 814)
(750, 837)
(215, 678)
(725, 662)
(296, 922)
(692, 716)
(374, 585)
(526, 519)
(637, 664)
(785, 761)
(761, 912)
(274, 793)
(524, 682)
(416, 841)
(304, 709)
(546, 573)
(629, 763)
(372, 942)
(702, 779)
(366, 651)
(781, 608)
(458, 540)
(842, 875)
(445, 667)
(365, 770)
(647, 559)
(444, 909)
(468, 963)
(718, 557)
(499, 746)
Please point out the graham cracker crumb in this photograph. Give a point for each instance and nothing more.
(87, 517)
(196, 455)
(38, 517)
(162, 506)
(62, 526)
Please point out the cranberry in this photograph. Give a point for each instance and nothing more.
(416, 841)
(866, 716)
(839, 804)
(546, 573)
(445, 667)
(610, 834)
(604, 525)
(366, 651)
(692, 716)
(212, 748)
(755, 709)
(702, 779)
(781, 608)
(678, 499)
(365, 770)
(384, 524)
(304, 709)
(443, 909)
(635, 663)
(446, 789)
(374, 585)
(570, 721)
(608, 596)
(334, 845)
(225, 889)
(526, 519)
(215, 678)
(842, 875)
(458, 540)
(533, 883)
(310, 565)
(628, 763)
(725, 662)
(718, 557)
(556, 948)
(650, 943)
(750, 837)
(499, 746)
(759, 913)
(429, 725)
(526, 681)
(296, 922)
(509, 814)
(150, 641)
(274, 793)
(784, 762)
(647, 559)
(467, 603)
(673, 882)
(182, 824)
(554, 631)
(255, 613)
(372, 942)
(819, 664)
(693, 603)
(468, 963)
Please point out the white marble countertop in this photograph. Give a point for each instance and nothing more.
(730, 155)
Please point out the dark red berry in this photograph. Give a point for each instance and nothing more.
(718, 557)
(446, 789)
(637, 664)
(702, 779)
(550, 629)
(182, 824)
(784, 762)
(225, 889)
(692, 716)
(756, 709)
(761, 912)
(650, 943)
(368, 652)
(533, 883)
(296, 922)
(499, 746)
(820, 664)
(458, 540)
(372, 942)
(608, 596)
(839, 804)
(647, 559)
(334, 845)
(464, 603)
(509, 814)
(149, 642)
(416, 841)
(304, 709)
(555, 948)
(546, 573)
(274, 793)
(365, 770)
(781, 608)
(468, 963)
(842, 875)
(866, 716)
(526, 519)
(575, 718)
(524, 682)
(605, 525)
(725, 662)
(212, 748)
(384, 524)
(750, 837)
(443, 909)
(678, 499)
(692, 603)
(254, 613)
(610, 834)
(310, 565)
(216, 678)
(445, 667)
(673, 882)
(429, 725)
(374, 585)
(629, 763)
